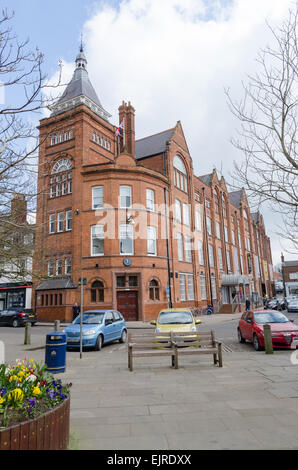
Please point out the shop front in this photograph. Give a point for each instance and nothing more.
(14, 295)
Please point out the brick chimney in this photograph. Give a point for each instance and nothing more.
(127, 112)
(19, 209)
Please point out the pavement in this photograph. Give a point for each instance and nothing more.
(249, 403)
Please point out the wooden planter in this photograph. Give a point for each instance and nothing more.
(49, 431)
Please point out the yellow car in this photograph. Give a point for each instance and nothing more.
(175, 319)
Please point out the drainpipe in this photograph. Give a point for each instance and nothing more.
(207, 246)
(168, 251)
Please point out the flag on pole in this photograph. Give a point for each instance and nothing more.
(117, 133)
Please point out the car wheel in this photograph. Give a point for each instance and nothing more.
(15, 323)
(256, 343)
(240, 337)
(33, 323)
(123, 337)
(98, 344)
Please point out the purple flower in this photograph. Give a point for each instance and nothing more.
(52, 394)
(32, 402)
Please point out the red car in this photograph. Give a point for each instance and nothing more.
(284, 331)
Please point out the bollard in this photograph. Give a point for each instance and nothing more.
(268, 339)
(57, 325)
(27, 339)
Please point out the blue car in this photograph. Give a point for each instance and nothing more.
(98, 327)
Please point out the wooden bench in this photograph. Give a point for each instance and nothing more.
(151, 345)
(201, 342)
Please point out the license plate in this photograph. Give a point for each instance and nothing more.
(73, 340)
(31, 316)
(294, 343)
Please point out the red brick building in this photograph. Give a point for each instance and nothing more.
(132, 218)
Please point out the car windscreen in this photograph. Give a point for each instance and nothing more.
(172, 318)
(89, 318)
(270, 317)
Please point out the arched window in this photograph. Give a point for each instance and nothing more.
(153, 290)
(61, 184)
(97, 291)
(64, 164)
(180, 174)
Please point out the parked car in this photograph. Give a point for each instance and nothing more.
(251, 328)
(98, 327)
(292, 305)
(17, 317)
(175, 319)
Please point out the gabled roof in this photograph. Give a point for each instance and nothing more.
(235, 198)
(255, 216)
(206, 179)
(153, 144)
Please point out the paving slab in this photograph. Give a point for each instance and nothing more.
(250, 403)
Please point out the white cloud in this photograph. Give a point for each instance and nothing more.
(173, 58)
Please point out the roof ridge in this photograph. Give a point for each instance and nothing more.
(157, 133)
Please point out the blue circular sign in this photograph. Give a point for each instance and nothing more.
(127, 261)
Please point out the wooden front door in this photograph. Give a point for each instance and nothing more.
(127, 304)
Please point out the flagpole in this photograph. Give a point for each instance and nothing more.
(123, 133)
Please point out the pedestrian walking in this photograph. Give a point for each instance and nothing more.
(247, 305)
(76, 310)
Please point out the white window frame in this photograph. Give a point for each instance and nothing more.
(190, 287)
(187, 248)
(52, 223)
(186, 214)
(182, 287)
(180, 247)
(218, 232)
(124, 188)
(98, 198)
(203, 287)
(151, 241)
(220, 258)
(60, 222)
(68, 218)
(97, 233)
(201, 253)
(150, 200)
(67, 266)
(211, 255)
(59, 267)
(208, 225)
(198, 220)
(51, 268)
(129, 231)
(178, 212)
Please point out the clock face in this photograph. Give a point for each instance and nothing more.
(127, 261)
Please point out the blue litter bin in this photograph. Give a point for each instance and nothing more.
(209, 310)
(55, 357)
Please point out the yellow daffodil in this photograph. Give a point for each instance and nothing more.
(36, 391)
(16, 394)
(13, 377)
(2, 400)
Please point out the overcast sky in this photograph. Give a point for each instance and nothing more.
(172, 59)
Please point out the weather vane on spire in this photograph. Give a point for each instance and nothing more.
(81, 47)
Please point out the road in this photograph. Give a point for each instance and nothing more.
(226, 332)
